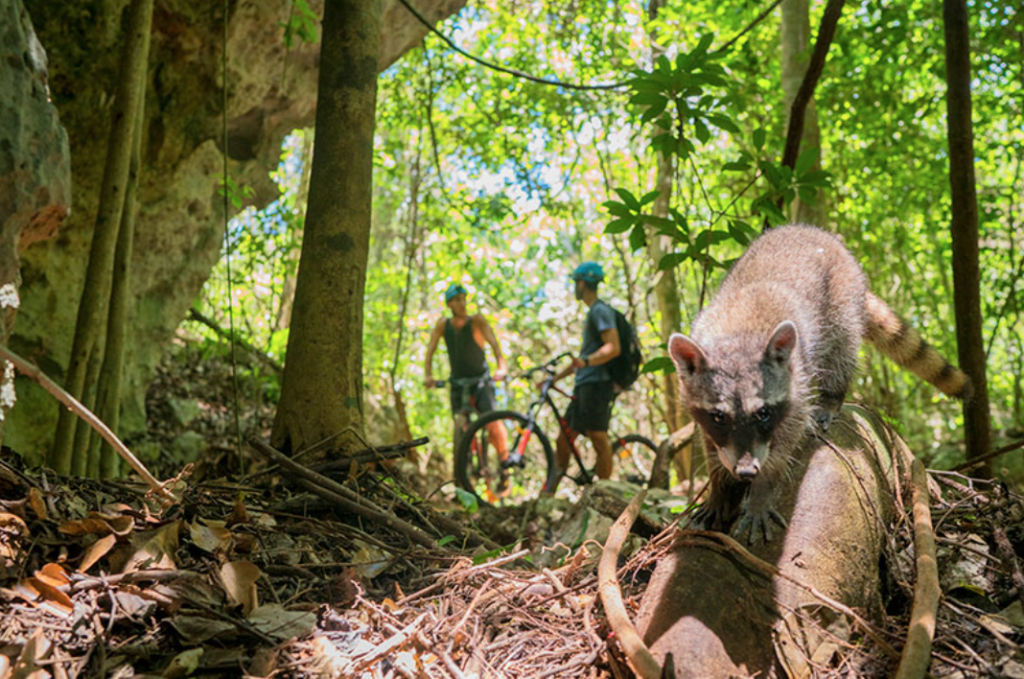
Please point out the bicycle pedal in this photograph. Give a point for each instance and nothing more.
(513, 460)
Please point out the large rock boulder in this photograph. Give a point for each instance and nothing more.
(180, 228)
(35, 167)
(35, 170)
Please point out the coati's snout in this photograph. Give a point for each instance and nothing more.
(747, 467)
(744, 467)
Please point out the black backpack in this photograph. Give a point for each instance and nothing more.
(625, 367)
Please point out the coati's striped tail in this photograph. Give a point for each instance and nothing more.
(895, 338)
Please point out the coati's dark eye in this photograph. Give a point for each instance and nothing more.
(763, 414)
(717, 416)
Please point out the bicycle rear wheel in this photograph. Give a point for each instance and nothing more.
(636, 454)
(478, 466)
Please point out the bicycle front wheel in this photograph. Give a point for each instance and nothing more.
(479, 457)
(636, 455)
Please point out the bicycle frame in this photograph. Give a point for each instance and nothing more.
(544, 398)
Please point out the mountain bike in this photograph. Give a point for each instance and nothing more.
(467, 412)
(530, 467)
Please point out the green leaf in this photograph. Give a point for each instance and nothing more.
(488, 555)
(618, 209)
(637, 237)
(705, 42)
(759, 137)
(649, 99)
(701, 130)
(807, 158)
(629, 199)
(709, 237)
(736, 166)
(446, 540)
(468, 500)
(672, 260)
(808, 194)
(649, 197)
(646, 85)
(738, 234)
(723, 123)
(653, 111)
(661, 364)
(662, 224)
(816, 178)
(682, 224)
(621, 225)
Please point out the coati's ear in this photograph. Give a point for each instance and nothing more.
(686, 354)
(782, 343)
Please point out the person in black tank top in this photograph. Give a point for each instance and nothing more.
(465, 337)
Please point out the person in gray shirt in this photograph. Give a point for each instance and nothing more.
(594, 392)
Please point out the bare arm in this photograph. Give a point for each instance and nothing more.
(428, 369)
(609, 350)
(491, 339)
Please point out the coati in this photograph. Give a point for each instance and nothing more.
(773, 354)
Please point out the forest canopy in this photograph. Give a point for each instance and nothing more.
(505, 184)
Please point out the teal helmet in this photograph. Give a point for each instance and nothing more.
(454, 290)
(590, 272)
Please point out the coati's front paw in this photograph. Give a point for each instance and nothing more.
(711, 516)
(756, 527)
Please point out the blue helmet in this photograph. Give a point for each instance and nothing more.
(454, 290)
(590, 272)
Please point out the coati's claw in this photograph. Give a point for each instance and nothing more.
(755, 528)
(824, 418)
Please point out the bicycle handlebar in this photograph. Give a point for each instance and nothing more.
(464, 381)
(547, 367)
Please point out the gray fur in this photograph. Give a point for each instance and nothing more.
(796, 274)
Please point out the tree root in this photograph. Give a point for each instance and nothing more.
(639, 657)
(917, 653)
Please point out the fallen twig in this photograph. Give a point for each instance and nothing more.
(976, 462)
(30, 370)
(644, 664)
(390, 452)
(339, 494)
(917, 653)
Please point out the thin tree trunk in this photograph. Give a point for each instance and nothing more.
(284, 311)
(795, 32)
(83, 434)
(798, 110)
(964, 227)
(321, 392)
(667, 288)
(96, 292)
(103, 459)
(411, 247)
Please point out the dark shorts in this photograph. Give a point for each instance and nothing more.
(591, 407)
(481, 399)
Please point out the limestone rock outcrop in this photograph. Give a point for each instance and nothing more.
(35, 167)
(271, 90)
(35, 170)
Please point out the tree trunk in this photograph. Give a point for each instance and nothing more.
(92, 308)
(667, 288)
(795, 32)
(964, 227)
(104, 461)
(321, 394)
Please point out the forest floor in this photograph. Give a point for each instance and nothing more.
(256, 575)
